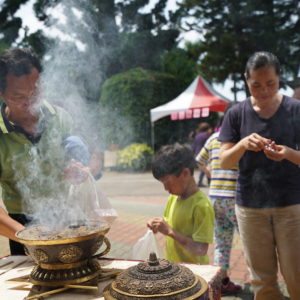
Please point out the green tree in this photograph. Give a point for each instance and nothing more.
(232, 30)
(138, 39)
(180, 63)
(9, 23)
(125, 105)
(126, 100)
(13, 31)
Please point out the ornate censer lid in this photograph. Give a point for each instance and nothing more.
(156, 279)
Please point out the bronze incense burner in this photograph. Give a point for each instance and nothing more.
(157, 279)
(65, 256)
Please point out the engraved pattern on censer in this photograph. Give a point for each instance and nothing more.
(157, 279)
(65, 276)
(162, 279)
(41, 256)
(70, 254)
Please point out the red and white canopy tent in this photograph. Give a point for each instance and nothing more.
(196, 101)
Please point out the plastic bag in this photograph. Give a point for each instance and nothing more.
(93, 205)
(145, 245)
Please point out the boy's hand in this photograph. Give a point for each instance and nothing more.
(159, 225)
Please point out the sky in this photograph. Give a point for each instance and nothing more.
(29, 19)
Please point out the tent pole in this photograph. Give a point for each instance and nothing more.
(152, 135)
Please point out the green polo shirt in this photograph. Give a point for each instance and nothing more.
(31, 169)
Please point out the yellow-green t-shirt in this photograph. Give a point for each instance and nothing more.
(192, 217)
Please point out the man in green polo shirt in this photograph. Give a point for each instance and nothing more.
(31, 134)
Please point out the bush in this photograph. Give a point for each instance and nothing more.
(135, 157)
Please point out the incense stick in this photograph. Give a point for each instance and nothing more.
(46, 293)
(6, 264)
(17, 265)
(86, 287)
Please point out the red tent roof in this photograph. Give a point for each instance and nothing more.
(196, 101)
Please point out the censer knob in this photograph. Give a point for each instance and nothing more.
(153, 261)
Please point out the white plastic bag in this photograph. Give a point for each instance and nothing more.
(145, 245)
(90, 204)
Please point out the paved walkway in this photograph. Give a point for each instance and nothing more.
(138, 197)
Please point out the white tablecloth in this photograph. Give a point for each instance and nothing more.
(12, 291)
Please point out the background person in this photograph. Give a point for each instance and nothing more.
(204, 130)
(188, 222)
(222, 192)
(262, 134)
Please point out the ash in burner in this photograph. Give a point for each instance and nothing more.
(44, 233)
(79, 224)
(74, 226)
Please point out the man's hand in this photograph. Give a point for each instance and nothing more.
(76, 172)
(159, 225)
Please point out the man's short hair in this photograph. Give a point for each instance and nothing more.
(171, 160)
(18, 62)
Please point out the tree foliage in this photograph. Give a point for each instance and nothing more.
(180, 63)
(9, 23)
(138, 39)
(232, 30)
(126, 100)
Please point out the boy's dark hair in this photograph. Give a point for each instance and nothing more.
(171, 160)
(262, 59)
(17, 61)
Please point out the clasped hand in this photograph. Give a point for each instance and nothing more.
(255, 142)
(159, 225)
(76, 172)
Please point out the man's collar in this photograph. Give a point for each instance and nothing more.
(46, 111)
(5, 125)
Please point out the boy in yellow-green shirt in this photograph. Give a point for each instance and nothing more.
(188, 222)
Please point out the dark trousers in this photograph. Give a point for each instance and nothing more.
(201, 176)
(15, 247)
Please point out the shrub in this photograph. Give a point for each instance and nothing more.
(135, 157)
